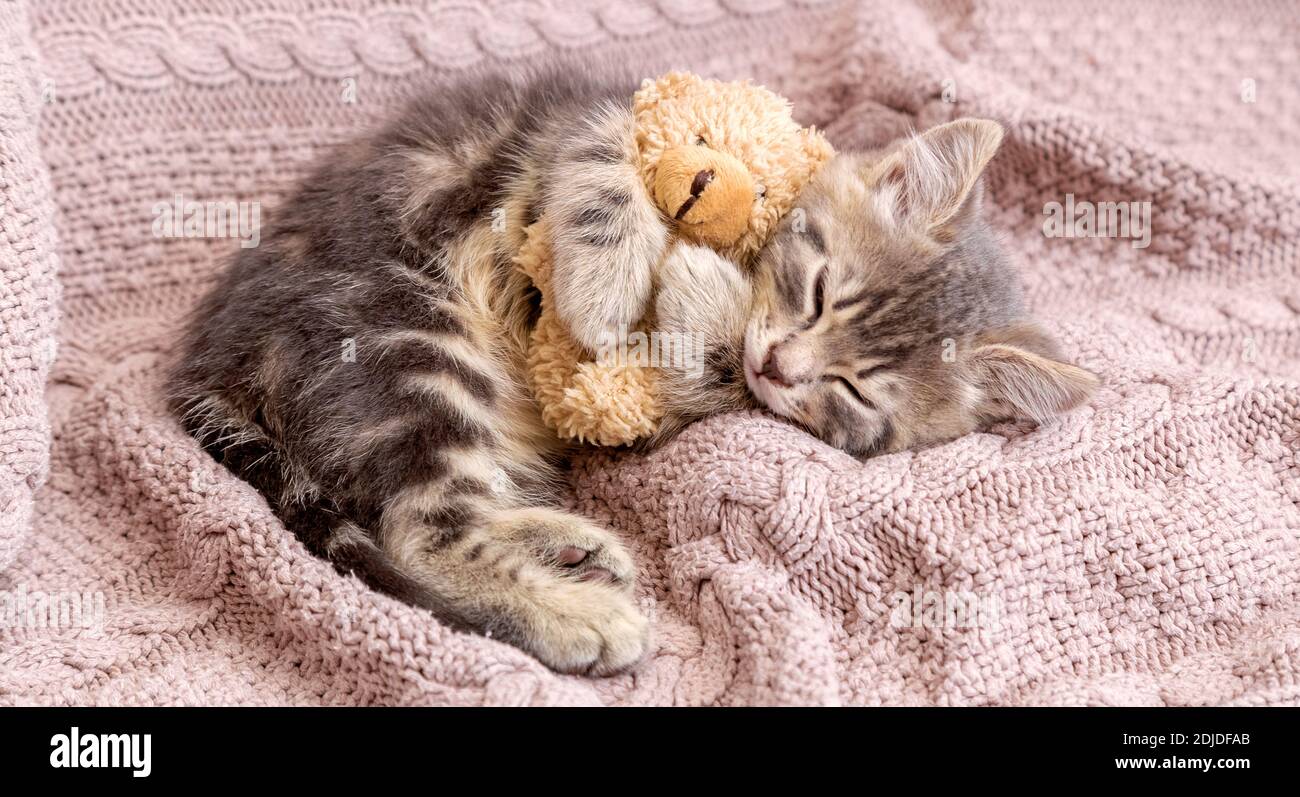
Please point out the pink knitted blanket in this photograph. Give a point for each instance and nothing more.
(1143, 550)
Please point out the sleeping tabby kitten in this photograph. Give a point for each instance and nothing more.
(883, 316)
(363, 368)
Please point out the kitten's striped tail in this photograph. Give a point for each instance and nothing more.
(246, 450)
(356, 553)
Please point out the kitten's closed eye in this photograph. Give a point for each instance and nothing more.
(854, 392)
(819, 298)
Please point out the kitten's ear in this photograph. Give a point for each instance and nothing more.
(932, 180)
(1018, 382)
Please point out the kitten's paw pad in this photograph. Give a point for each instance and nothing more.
(571, 555)
(582, 561)
(590, 628)
(604, 561)
(574, 547)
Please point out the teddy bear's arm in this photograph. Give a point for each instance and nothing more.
(606, 233)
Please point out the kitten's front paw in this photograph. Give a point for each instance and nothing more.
(701, 292)
(689, 264)
(600, 316)
(602, 341)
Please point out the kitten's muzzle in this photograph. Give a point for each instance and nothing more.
(779, 374)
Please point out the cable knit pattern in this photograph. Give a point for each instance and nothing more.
(1145, 549)
(147, 52)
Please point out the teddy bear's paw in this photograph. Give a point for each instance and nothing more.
(608, 406)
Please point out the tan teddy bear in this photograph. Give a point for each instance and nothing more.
(723, 162)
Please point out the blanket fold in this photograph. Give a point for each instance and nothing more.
(28, 285)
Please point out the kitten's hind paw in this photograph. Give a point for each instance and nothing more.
(579, 609)
(588, 627)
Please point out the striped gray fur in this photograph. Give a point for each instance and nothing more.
(363, 367)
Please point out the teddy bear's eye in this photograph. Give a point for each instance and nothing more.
(761, 191)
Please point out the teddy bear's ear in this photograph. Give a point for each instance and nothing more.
(667, 87)
(816, 148)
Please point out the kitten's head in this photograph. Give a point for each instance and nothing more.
(886, 317)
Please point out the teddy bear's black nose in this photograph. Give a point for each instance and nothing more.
(702, 178)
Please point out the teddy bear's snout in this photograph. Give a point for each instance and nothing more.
(709, 194)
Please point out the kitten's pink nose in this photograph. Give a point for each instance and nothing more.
(772, 368)
(790, 362)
